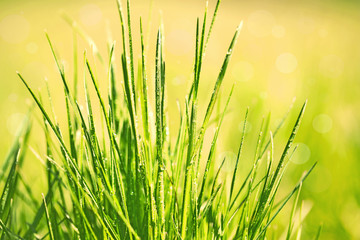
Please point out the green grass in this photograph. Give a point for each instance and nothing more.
(125, 177)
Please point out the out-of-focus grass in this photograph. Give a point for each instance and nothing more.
(306, 50)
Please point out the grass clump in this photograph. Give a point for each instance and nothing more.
(127, 178)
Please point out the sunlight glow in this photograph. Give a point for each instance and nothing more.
(286, 63)
(243, 71)
(90, 14)
(322, 123)
(260, 23)
(14, 29)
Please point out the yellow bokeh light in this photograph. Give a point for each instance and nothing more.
(90, 14)
(260, 23)
(32, 48)
(14, 28)
(302, 154)
(179, 42)
(278, 31)
(322, 123)
(243, 71)
(286, 63)
(331, 66)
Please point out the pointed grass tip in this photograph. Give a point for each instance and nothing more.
(240, 25)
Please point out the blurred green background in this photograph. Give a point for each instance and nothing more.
(303, 49)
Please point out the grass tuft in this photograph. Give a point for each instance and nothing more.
(115, 181)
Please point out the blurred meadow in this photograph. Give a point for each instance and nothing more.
(286, 49)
